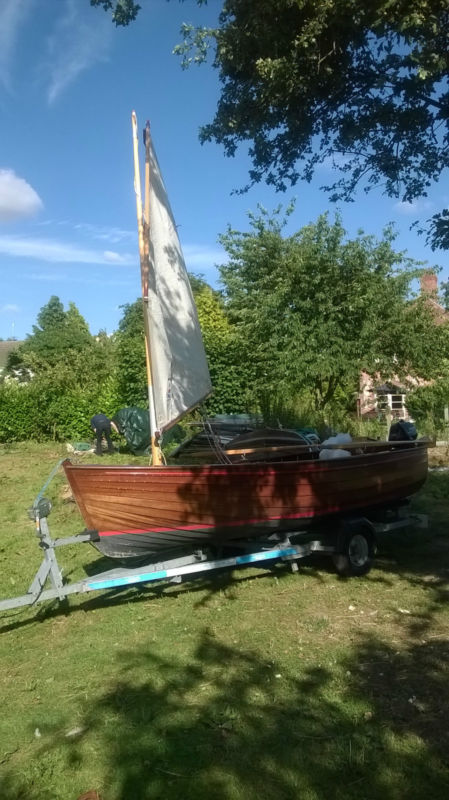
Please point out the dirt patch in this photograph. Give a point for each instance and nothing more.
(66, 494)
(439, 456)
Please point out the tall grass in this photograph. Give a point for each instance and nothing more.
(298, 413)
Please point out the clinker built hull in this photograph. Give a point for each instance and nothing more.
(148, 510)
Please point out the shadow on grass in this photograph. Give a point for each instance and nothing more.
(421, 559)
(10, 791)
(229, 725)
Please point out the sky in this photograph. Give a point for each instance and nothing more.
(69, 81)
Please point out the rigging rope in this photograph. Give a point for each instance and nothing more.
(214, 440)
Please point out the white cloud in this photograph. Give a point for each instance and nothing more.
(116, 258)
(103, 233)
(58, 277)
(57, 252)
(199, 255)
(12, 14)
(9, 308)
(75, 45)
(17, 197)
(414, 207)
(334, 162)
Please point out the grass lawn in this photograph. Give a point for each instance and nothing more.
(256, 683)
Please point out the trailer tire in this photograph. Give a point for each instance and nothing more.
(355, 553)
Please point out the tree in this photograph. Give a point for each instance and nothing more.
(229, 371)
(426, 404)
(314, 309)
(69, 375)
(62, 351)
(132, 376)
(123, 11)
(59, 337)
(363, 84)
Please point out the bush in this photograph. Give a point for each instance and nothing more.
(39, 411)
(426, 405)
(21, 409)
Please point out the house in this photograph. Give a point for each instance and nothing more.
(385, 399)
(380, 398)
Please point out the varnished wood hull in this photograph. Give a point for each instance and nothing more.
(147, 510)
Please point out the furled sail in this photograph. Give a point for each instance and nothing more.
(178, 361)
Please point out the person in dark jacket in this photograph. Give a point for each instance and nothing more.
(102, 426)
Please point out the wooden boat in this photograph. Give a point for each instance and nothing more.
(274, 485)
(140, 510)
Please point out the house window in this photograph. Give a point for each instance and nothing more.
(397, 405)
(393, 404)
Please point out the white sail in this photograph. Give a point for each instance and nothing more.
(178, 361)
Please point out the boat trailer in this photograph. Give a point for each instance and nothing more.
(352, 548)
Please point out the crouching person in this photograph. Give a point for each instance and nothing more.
(102, 426)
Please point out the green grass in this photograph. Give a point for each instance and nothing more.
(252, 684)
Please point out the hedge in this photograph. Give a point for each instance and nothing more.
(35, 411)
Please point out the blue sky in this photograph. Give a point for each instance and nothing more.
(68, 83)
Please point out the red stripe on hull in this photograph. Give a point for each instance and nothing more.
(240, 523)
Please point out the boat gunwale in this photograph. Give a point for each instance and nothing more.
(251, 467)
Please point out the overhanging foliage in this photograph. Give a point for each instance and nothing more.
(361, 84)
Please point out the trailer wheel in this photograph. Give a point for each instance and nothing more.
(356, 550)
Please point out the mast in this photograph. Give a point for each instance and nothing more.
(144, 252)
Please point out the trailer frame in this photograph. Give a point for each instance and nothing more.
(48, 582)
